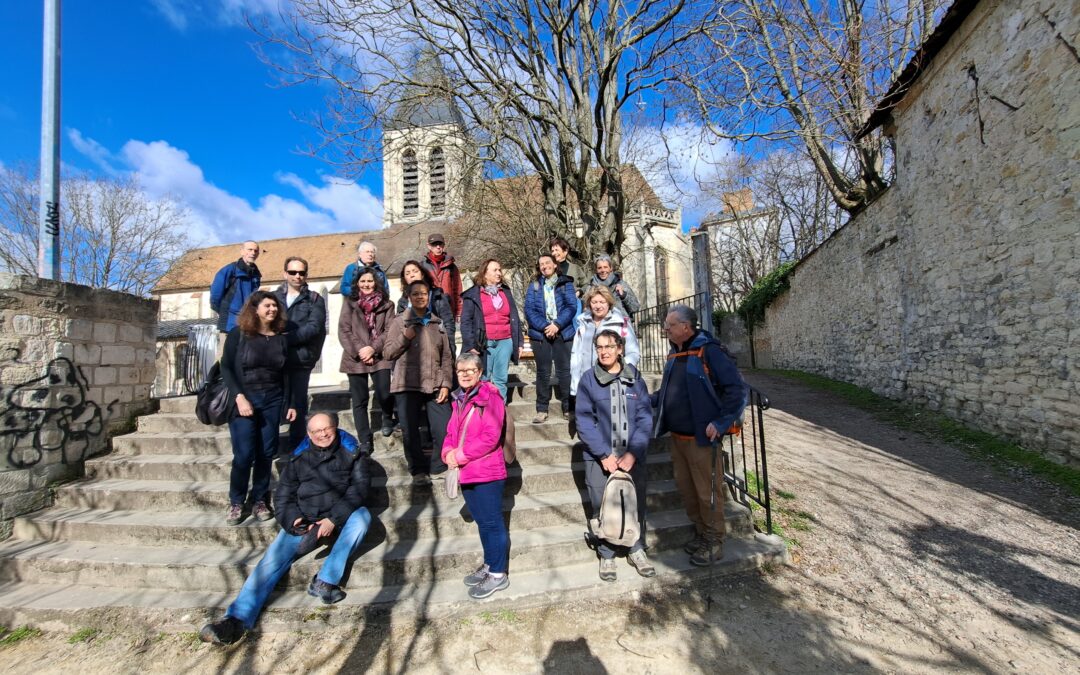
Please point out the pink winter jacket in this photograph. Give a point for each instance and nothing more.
(480, 456)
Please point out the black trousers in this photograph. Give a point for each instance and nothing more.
(410, 405)
(358, 388)
(545, 352)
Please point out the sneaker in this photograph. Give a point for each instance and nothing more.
(476, 577)
(639, 561)
(261, 511)
(387, 430)
(489, 585)
(607, 569)
(540, 418)
(225, 632)
(421, 479)
(700, 557)
(328, 593)
(694, 544)
(235, 514)
(438, 476)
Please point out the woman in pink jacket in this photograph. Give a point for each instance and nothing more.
(473, 444)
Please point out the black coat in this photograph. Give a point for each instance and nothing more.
(472, 330)
(319, 484)
(306, 329)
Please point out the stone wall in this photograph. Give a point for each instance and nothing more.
(75, 364)
(960, 287)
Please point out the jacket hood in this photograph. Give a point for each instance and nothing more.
(283, 289)
(481, 396)
(346, 441)
(615, 317)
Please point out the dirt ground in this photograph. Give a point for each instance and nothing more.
(910, 557)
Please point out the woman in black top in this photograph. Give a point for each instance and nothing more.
(253, 366)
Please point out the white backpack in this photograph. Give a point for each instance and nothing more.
(617, 521)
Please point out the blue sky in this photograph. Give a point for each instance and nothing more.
(172, 91)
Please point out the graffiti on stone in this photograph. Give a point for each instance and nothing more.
(50, 414)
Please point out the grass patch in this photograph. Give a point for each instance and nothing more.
(997, 452)
(189, 639)
(83, 635)
(786, 520)
(784, 494)
(501, 616)
(18, 635)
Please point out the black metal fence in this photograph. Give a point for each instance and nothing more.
(746, 468)
(649, 324)
(199, 355)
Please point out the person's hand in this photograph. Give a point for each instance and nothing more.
(610, 464)
(296, 524)
(367, 354)
(473, 351)
(711, 432)
(551, 330)
(627, 461)
(290, 414)
(326, 527)
(619, 290)
(410, 333)
(443, 394)
(243, 406)
(451, 461)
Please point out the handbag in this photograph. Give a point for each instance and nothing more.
(453, 475)
(214, 403)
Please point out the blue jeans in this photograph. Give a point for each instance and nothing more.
(279, 558)
(498, 363)
(485, 505)
(254, 445)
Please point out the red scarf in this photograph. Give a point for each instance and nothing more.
(367, 304)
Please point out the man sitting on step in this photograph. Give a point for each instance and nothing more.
(321, 494)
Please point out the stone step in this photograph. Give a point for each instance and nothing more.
(216, 467)
(65, 606)
(207, 528)
(379, 563)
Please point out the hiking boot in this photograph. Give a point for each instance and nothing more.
(235, 514)
(607, 569)
(225, 632)
(700, 557)
(328, 593)
(367, 448)
(261, 511)
(489, 585)
(639, 561)
(540, 418)
(694, 544)
(476, 577)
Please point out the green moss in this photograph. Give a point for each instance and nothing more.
(767, 289)
(18, 635)
(83, 635)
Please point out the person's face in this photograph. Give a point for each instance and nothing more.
(413, 273)
(547, 266)
(367, 255)
(603, 270)
(296, 274)
(267, 310)
(418, 298)
(607, 351)
(558, 252)
(321, 431)
(436, 249)
(678, 331)
(468, 375)
(249, 251)
(367, 283)
(493, 275)
(599, 306)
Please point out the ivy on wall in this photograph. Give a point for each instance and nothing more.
(767, 289)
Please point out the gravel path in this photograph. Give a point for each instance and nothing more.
(918, 559)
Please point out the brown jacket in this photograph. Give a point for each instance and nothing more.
(353, 334)
(424, 363)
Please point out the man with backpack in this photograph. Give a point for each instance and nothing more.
(232, 286)
(700, 397)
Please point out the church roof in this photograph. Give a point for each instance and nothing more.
(426, 99)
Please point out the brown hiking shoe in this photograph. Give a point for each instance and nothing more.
(702, 557)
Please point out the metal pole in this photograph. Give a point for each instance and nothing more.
(49, 194)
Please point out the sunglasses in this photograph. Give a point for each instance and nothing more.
(294, 273)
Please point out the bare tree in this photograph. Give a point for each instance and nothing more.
(546, 80)
(813, 71)
(113, 235)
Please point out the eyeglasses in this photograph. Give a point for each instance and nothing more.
(606, 348)
(467, 371)
(294, 273)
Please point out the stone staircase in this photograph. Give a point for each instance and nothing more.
(142, 539)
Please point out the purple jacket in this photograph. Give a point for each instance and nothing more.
(480, 456)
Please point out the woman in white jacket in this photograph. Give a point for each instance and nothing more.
(600, 314)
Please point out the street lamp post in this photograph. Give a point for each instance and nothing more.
(49, 202)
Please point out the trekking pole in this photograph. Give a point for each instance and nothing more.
(712, 510)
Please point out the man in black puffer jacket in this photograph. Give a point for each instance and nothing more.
(321, 493)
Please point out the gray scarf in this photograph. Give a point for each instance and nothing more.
(620, 422)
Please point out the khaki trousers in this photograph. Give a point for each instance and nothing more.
(693, 477)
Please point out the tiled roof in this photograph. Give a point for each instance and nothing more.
(178, 328)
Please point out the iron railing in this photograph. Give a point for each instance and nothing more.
(649, 324)
(746, 468)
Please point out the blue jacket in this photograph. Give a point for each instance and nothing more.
(718, 397)
(473, 332)
(593, 410)
(350, 273)
(566, 303)
(231, 288)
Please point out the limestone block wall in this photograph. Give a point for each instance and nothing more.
(960, 287)
(75, 364)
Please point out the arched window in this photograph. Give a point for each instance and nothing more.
(410, 183)
(438, 182)
(661, 277)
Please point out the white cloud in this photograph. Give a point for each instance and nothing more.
(94, 151)
(173, 11)
(218, 216)
(181, 13)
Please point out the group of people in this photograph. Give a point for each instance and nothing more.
(582, 329)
